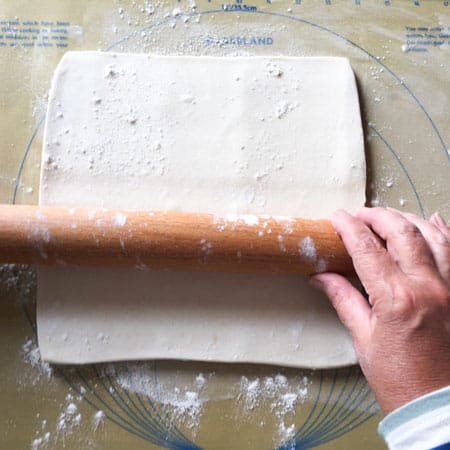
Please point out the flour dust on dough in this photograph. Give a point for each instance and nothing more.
(242, 135)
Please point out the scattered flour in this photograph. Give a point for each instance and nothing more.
(308, 248)
(282, 396)
(18, 279)
(251, 392)
(121, 219)
(98, 419)
(200, 380)
(206, 247)
(274, 70)
(183, 402)
(182, 398)
(308, 251)
(32, 356)
(231, 221)
(286, 433)
(282, 108)
(41, 442)
(69, 420)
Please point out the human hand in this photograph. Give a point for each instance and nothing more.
(402, 337)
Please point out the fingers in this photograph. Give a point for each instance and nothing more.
(437, 220)
(437, 235)
(351, 307)
(404, 241)
(366, 250)
(404, 339)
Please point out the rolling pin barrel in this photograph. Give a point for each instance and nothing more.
(169, 240)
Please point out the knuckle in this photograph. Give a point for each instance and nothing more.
(419, 257)
(409, 230)
(366, 245)
(404, 298)
(442, 295)
(431, 300)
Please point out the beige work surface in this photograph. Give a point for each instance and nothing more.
(400, 52)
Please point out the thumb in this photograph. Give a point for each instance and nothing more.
(352, 308)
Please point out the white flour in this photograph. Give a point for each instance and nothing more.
(18, 279)
(69, 419)
(32, 356)
(282, 395)
(98, 419)
(183, 396)
(184, 402)
(41, 442)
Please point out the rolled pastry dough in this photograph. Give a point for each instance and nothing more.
(253, 135)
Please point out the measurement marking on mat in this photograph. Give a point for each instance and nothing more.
(238, 7)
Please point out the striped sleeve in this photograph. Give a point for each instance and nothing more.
(423, 424)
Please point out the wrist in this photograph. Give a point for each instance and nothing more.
(421, 423)
(401, 397)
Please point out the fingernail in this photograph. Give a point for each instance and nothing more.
(337, 215)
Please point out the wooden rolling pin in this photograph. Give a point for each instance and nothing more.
(169, 240)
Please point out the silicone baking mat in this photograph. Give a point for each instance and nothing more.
(399, 50)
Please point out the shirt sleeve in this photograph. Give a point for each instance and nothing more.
(423, 424)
